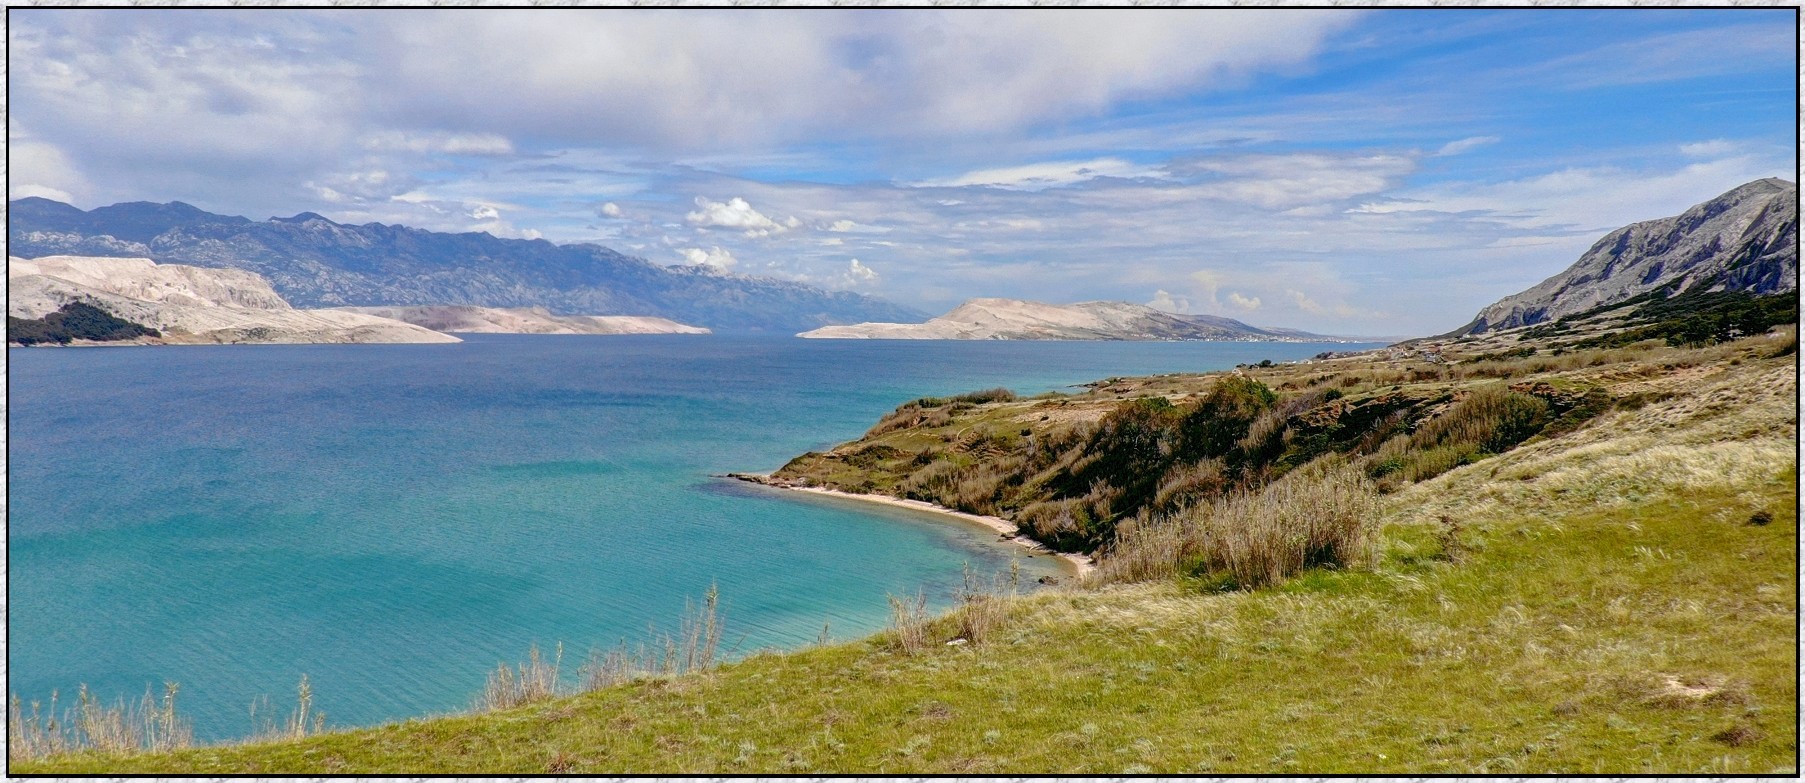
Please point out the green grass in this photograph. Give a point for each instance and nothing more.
(1597, 601)
(1549, 647)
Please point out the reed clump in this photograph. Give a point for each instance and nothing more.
(147, 725)
(909, 623)
(695, 647)
(1323, 514)
(302, 722)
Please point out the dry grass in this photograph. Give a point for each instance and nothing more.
(533, 680)
(302, 722)
(983, 608)
(148, 725)
(1322, 514)
(909, 624)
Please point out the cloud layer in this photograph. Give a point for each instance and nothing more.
(1379, 172)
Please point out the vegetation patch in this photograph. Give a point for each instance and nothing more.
(74, 321)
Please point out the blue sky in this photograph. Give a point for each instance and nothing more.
(1380, 172)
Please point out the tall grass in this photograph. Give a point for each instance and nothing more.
(1488, 420)
(983, 608)
(696, 646)
(909, 623)
(303, 721)
(530, 681)
(1324, 513)
(147, 725)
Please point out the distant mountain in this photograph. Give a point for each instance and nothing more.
(523, 320)
(315, 262)
(1016, 319)
(1744, 240)
(186, 304)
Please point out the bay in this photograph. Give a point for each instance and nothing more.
(395, 520)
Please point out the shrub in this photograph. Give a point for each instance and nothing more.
(74, 321)
(1220, 420)
(1322, 514)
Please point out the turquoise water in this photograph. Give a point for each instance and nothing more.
(393, 521)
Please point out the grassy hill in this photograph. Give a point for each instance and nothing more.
(1611, 591)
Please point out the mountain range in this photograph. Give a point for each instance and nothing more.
(1744, 240)
(314, 262)
(1017, 319)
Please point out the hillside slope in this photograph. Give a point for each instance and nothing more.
(1744, 240)
(1617, 597)
(1016, 319)
(190, 304)
(523, 320)
(315, 262)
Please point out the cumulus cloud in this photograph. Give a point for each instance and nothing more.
(484, 212)
(43, 170)
(1243, 302)
(609, 210)
(1164, 300)
(736, 214)
(857, 274)
(714, 257)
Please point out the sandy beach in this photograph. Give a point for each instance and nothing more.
(1080, 565)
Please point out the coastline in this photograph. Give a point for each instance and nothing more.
(1079, 565)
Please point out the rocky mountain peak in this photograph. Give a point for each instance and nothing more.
(1746, 239)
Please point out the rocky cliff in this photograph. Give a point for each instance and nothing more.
(1744, 240)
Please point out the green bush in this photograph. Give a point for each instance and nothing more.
(74, 321)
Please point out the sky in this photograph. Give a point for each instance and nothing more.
(1380, 172)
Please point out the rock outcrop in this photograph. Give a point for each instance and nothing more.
(1744, 240)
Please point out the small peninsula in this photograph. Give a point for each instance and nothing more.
(1018, 319)
(523, 320)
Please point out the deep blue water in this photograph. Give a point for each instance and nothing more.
(393, 521)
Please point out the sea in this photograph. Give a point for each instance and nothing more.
(394, 521)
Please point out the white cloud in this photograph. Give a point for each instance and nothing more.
(714, 257)
(43, 170)
(1715, 148)
(484, 212)
(609, 210)
(852, 227)
(484, 144)
(735, 213)
(1036, 176)
(1243, 302)
(1164, 300)
(1298, 180)
(1463, 145)
(1586, 200)
(858, 274)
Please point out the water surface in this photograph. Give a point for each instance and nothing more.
(395, 520)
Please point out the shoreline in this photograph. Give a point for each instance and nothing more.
(1079, 565)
